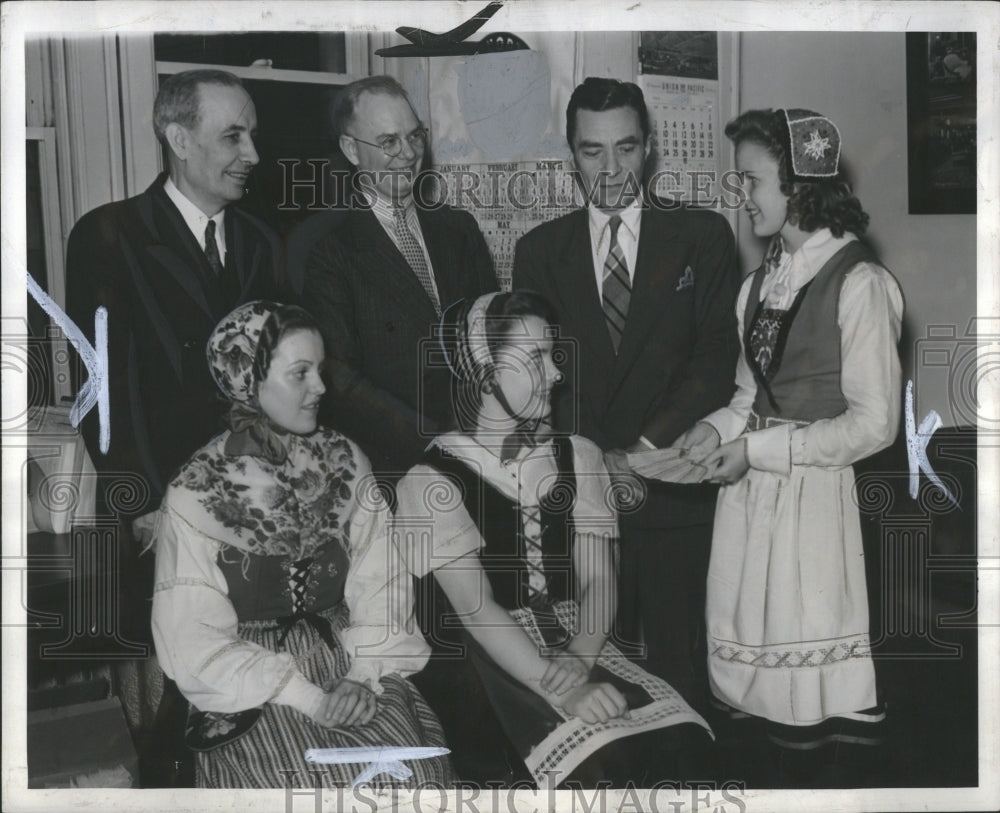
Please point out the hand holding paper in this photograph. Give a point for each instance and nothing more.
(681, 462)
(670, 465)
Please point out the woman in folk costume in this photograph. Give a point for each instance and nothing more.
(818, 389)
(280, 608)
(517, 528)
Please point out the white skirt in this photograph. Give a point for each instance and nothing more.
(787, 605)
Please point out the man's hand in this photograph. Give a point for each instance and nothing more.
(699, 441)
(728, 463)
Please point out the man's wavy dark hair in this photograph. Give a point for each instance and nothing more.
(812, 203)
(598, 94)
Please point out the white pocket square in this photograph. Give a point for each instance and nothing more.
(686, 280)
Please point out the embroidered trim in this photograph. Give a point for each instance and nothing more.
(793, 658)
(218, 653)
(285, 680)
(186, 581)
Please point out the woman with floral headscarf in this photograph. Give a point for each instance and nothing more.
(518, 528)
(280, 608)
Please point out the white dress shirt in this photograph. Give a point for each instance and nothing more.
(628, 238)
(197, 220)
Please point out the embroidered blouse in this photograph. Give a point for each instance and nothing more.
(870, 313)
(431, 518)
(195, 623)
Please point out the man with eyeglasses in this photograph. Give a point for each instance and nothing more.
(380, 280)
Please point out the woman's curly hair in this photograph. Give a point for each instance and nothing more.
(812, 203)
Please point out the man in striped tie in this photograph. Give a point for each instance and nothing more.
(379, 281)
(645, 290)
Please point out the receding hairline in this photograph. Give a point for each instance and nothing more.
(345, 110)
(179, 98)
(373, 92)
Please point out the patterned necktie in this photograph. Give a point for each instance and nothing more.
(414, 256)
(617, 288)
(212, 249)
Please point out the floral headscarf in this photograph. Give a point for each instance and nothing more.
(232, 348)
(231, 351)
(260, 490)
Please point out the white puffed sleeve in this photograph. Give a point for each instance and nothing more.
(871, 378)
(870, 312)
(195, 630)
(383, 636)
(730, 421)
(594, 511)
(432, 527)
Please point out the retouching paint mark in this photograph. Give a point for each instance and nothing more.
(381, 759)
(95, 388)
(916, 447)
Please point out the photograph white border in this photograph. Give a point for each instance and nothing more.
(37, 18)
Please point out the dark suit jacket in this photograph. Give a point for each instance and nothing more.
(139, 260)
(388, 385)
(677, 358)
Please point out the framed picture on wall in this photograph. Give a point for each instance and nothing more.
(941, 122)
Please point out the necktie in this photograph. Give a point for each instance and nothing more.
(212, 249)
(414, 256)
(616, 289)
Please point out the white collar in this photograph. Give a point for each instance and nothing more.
(387, 208)
(195, 218)
(630, 217)
(514, 479)
(812, 255)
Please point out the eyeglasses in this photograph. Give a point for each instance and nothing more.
(392, 145)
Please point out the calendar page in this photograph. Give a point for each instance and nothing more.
(685, 129)
(509, 199)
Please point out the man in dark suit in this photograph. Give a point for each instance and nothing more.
(646, 291)
(380, 280)
(168, 264)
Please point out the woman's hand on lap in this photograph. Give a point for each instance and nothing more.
(595, 702)
(346, 704)
(564, 672)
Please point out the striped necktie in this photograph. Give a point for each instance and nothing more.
(414, 255)
(616, 290)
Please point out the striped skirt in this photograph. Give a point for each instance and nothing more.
(272, 753)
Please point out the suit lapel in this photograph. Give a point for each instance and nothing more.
(236, 250)
(577, 287)
(651, 290)
(244, 254)
(174, 247)
(382, 260)
(448, 268)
